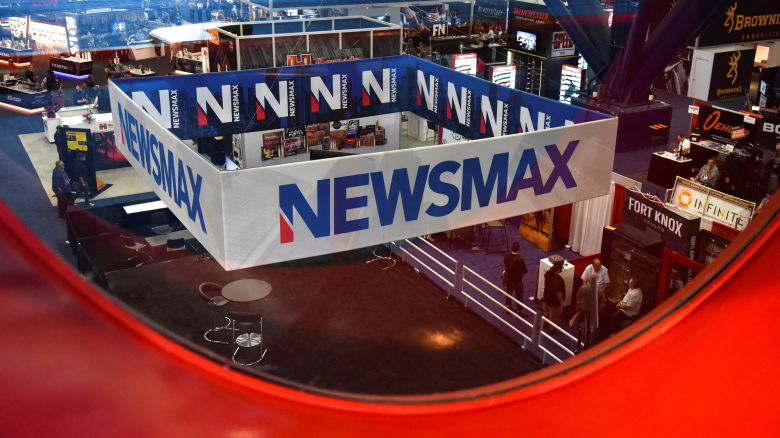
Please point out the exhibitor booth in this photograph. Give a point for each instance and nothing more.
(151, 125)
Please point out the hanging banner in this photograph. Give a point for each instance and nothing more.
(504, 75)
(731, 74)
(744, 20)
(216, 104)
(189, 185)
(318, 207)
(296, 210)
(562, 45)
(530, 13)
(677, 231)
(705, 202)
(770, 130)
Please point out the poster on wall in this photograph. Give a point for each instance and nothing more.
(708, 203)
(293, 141)
(676, 230)
(315, 133)
(489, 14)
(536, 228)
(272, 145)
(571, 83)
(742, 21)
(562, 45)
(674, 78)
(446, 136)
(48, 38)
(73, 34)
(417, 16)
(465, 63)
(731, 74)
(505, 75)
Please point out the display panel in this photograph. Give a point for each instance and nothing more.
(526, 41)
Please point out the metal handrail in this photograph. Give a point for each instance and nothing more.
(485, 294)
(496, 288)
(559, 328)
(513, 328)
(465, 279)
(441, 277)
(439, 250)
(431, 257)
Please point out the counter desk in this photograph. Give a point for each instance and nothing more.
(50, 124)
(666, 166)
(23, 95)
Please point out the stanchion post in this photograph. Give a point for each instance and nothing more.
(458, 281)
(536, 335)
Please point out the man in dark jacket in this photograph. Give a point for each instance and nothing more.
(514, 269)
(60, 184)
(554, 291)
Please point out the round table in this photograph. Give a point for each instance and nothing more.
(246, 290)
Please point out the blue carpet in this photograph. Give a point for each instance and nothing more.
(21, 189)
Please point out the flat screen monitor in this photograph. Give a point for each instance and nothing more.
(526, 41)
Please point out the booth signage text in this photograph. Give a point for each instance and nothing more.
(677, 231)
(711, 204)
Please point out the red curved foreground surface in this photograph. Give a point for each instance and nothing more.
(73, 363)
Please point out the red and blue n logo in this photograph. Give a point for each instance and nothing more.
(292, 200)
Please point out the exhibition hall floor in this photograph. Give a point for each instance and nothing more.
(122, 181)
(338, 323)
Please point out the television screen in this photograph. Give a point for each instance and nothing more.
(118, 27)
(526, 41)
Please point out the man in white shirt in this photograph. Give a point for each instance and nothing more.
(628, 307)
(683, 146)
(602, 280)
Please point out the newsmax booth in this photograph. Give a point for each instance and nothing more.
(532, 154)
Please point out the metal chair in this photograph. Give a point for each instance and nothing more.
(212, 295)
(244, 323)
(500, 227)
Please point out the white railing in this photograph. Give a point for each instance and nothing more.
(544, 336)
(477, 290)
(472, 282)
(446, 270)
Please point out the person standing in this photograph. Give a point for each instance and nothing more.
(683, 146)
(628, 307)
(60, 185)
(586, 300)
(554, 291)
(514, 270)
(601, 283)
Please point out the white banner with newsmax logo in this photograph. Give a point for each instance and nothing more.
(186, 182)
(300, 210)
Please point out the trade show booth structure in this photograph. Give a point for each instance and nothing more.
(265, 44)
(332, 205)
